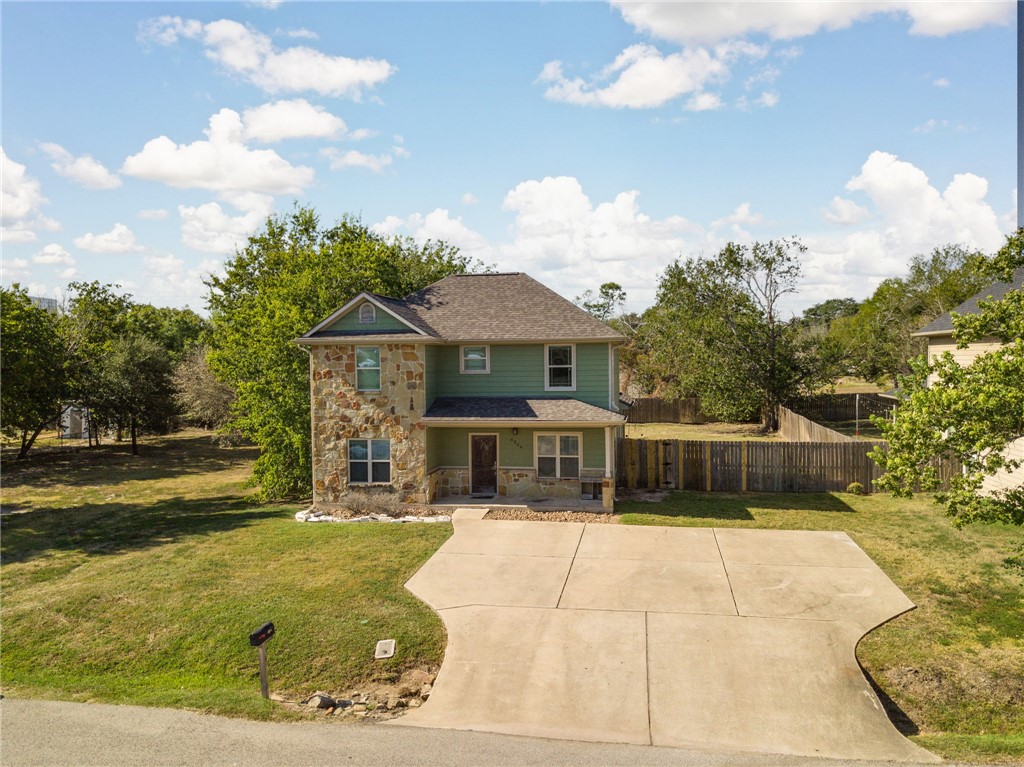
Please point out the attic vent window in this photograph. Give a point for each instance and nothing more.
(367, 314)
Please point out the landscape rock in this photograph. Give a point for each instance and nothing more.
(321, 700)
(412, 682)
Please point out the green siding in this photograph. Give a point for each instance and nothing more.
(615, 378)
(518, 371)
(430, 373)
(450, 447)
(385, 322)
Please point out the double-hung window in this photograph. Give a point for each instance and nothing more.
(369, 461)
(558, 456)
(475, 359)
(560, 367)
(368, 368)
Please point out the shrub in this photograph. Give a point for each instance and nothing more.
(855, 488)
(362, 502)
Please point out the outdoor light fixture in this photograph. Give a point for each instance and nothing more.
(515, 430)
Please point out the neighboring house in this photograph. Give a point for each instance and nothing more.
(939, 333)
(485, 384)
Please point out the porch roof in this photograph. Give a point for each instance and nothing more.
(518, 411)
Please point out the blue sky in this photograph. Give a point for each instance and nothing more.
(579, 142)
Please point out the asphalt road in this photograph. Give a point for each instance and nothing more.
(54, 734)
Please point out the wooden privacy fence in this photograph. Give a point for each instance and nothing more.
(842, 407)
(658, 410)
(737, 467)
(796, 428)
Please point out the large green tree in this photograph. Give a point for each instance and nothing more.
(32, 368)
(288, 277)
(135, 381)
(718, 331)
(971, 412)
(877, 338)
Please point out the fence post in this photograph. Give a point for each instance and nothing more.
(743, 468)
(707, 466)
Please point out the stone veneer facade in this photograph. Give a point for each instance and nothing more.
(340, 413)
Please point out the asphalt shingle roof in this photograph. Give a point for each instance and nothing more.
(944, 323)
(553, 410)
(496, 307)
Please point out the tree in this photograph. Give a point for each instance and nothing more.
(878, 337)
(972, 413)
(288, 277)
(32, 368)
(137, 392)
(717, 331)
(607, 304)
(178, 331)
(203, 399)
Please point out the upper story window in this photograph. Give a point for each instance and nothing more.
(368, 368)
(560, 367)
(475, 359)
(367, 314)
(369, 461)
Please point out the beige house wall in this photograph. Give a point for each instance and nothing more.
(340, 413)
(1007, 480)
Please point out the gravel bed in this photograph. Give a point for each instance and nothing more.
(553, 516)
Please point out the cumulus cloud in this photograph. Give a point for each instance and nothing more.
(21, 198)
(642, 77)
(120, 239)
(295, 118)
(83, 169)
(768, 99)
(353, 159)
(702, 102)
(251, 55)
(167, 280)
(211, 229)
(153, 214)
(742, 216)
(469, 199)
(708, 23)
(53, 254)
(15, 270)
(845, 212)
(221, 163)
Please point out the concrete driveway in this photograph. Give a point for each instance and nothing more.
(720, 639)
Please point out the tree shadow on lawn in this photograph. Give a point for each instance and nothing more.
(159, 458)
(703, 505)
(113, 528)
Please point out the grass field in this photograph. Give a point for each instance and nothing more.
(953, 669)
(137, 580)
(709, 431)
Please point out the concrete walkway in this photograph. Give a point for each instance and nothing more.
(718, 639)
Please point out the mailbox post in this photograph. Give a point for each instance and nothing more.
(258, 639)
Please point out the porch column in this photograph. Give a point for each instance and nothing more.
(608, 483)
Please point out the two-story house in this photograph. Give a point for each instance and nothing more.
(478, 385)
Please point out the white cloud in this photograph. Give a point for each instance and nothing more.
(735, 221)
(84, 170)
(352, 159)
(707, 23)
(210, 229)
(15, 270)
(120, 239)
(221, 163)
(252, 55)
(153, 214)
(941, 82)
(702, 102)
(301, 33)
(641, 77)
(930, 125)
(21, 198)
(296, 118)
(68, 274)
(469, 199)
(845, 212)
(768, 99)
(53, 254)
(361, 133)
(168, 280)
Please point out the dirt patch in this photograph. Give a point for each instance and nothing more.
(373, 702)
(553, 516)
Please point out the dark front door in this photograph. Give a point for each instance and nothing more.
(483, 463)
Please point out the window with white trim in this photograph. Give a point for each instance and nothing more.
(367, 314)
(558, 456)
(475, 359)
(367, 368)
(369, 461)
(560, 367)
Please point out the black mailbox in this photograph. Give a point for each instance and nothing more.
(261, 635)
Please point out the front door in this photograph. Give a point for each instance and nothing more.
(483, 464)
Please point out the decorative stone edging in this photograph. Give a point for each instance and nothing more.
(311, 515)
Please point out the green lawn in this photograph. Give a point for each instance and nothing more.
(138, 580)
(953, 669)
(707, 431)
